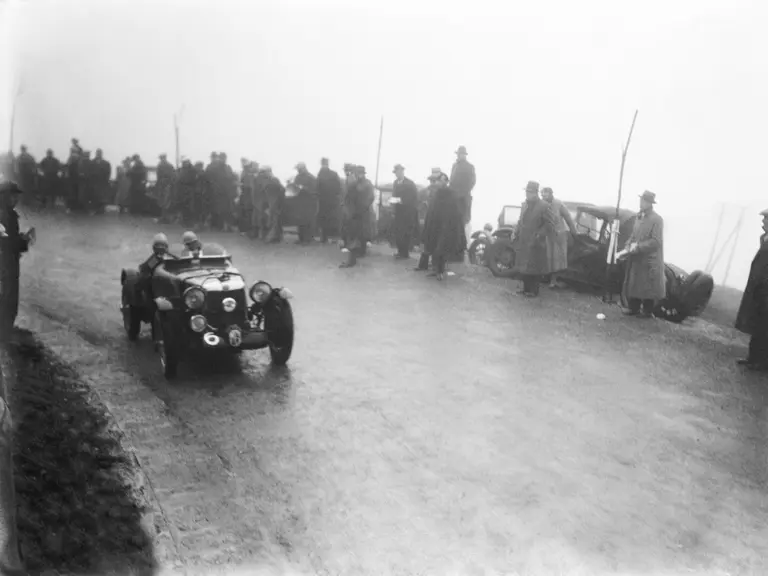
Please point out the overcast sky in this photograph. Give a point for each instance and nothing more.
(535, 90)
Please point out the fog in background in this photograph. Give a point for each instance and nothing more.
(535, 90)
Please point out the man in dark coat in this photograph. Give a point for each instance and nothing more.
(166, 175)
(26, 172)
(463, 180)
(73, 175)
(87, 184)
(752, 318)
(245, 202)
(406, 222)
(12, 245)
(368, 196)
(50, 167)
(357, 203)
(444, 229)
(138, 177)
(274, 192)
(184, 192)
(228, 207)
(306, 202)
(644, 280)
(430, 192)
(329, 202)
(259, 223)
(201, 199)
(101, 171)
(530, 240)
(346, 184)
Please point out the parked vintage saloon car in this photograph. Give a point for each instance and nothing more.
(199, 303)
(687, 294)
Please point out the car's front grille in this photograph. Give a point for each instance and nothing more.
(215, 313)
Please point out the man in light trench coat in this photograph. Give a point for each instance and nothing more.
(644, 281)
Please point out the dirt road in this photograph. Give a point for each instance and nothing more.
(424, 428)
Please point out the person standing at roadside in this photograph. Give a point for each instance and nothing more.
(123, 197)
(529, 240)
(357, 203)
(306, 185)
(87, 183)
(138, 177)
(444, 230)
(752, 318)
(26, 171)
(274, 192)
(406, 221)
(644, 281)
(557, 239)
(424, 259)
(50, 167)
(463, 180)
(367, 195)
(101, 172)
(13, 244)
(259, 224)
(245, 203)
(329, 202)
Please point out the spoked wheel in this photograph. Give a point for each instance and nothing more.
(501, 259)
(166, 349)
(477, 251)
(278, 322)
(131, 320)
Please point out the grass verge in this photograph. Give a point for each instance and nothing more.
(79, 512)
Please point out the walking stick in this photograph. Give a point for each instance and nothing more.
(615, 225)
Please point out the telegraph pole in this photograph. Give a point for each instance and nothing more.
(176, 120)
(710, 265)
(735, 245)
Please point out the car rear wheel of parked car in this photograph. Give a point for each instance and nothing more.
(501, 258)
(696, 291)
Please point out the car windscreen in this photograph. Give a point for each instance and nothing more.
(510, 215)
(588, 225)
(186, 264)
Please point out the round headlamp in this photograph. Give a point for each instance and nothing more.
(260, 292)
(228, 304)
(198, 323)
(194, 298)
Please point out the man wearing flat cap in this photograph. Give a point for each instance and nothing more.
(530, 240)
(26, 173)
(50, 167)
(463, 180)
(644, 280)
(306, 203)
(329, 201)
(752, 318)
(406, 223)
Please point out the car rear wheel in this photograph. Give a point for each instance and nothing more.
(500, 257)
(696, 291)
(166, 348)
(131, 320)
(278, 323)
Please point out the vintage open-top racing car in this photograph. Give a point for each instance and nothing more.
(198, 302)
(687, 295)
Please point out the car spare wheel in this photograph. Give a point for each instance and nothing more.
(166, 348)
(500, 257)
(131, 320)
(696, 291)
(278, 323)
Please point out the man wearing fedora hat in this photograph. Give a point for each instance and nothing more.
(424, 259)
(644, 280)
(12, 245)
(463, 180)
(530, 240)
(406, 223)
(752, 318)
(443, 230)
(329, 201)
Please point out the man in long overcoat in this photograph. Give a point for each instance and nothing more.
(137, 174)
(259, 219)
(644, 280)
(463, 180)
(13, 244)
(73, 175)
(368, 196)
(444, 229)
(274, 192)
(357, 204)
(346, 184)
(185, 192)
(405, 226)
(329, 201)
(430, 192)
(86, 179)
(529, 240)
(26, 172)
(557, 239)
(752, 318)
(50, 167)
(101, 172)
(164, 188)
(245, 203)
(306, 202)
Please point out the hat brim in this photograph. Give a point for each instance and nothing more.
(461, 152)
(646, 199)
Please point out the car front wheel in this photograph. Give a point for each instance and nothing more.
(278, 323)
(500, 257)
(167, 348)
(477, 251)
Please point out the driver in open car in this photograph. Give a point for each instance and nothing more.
(159, 253)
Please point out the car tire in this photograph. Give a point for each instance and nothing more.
(167, 348)
(474, 257)
(500, 258)
(696, 291)
(278, 323)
